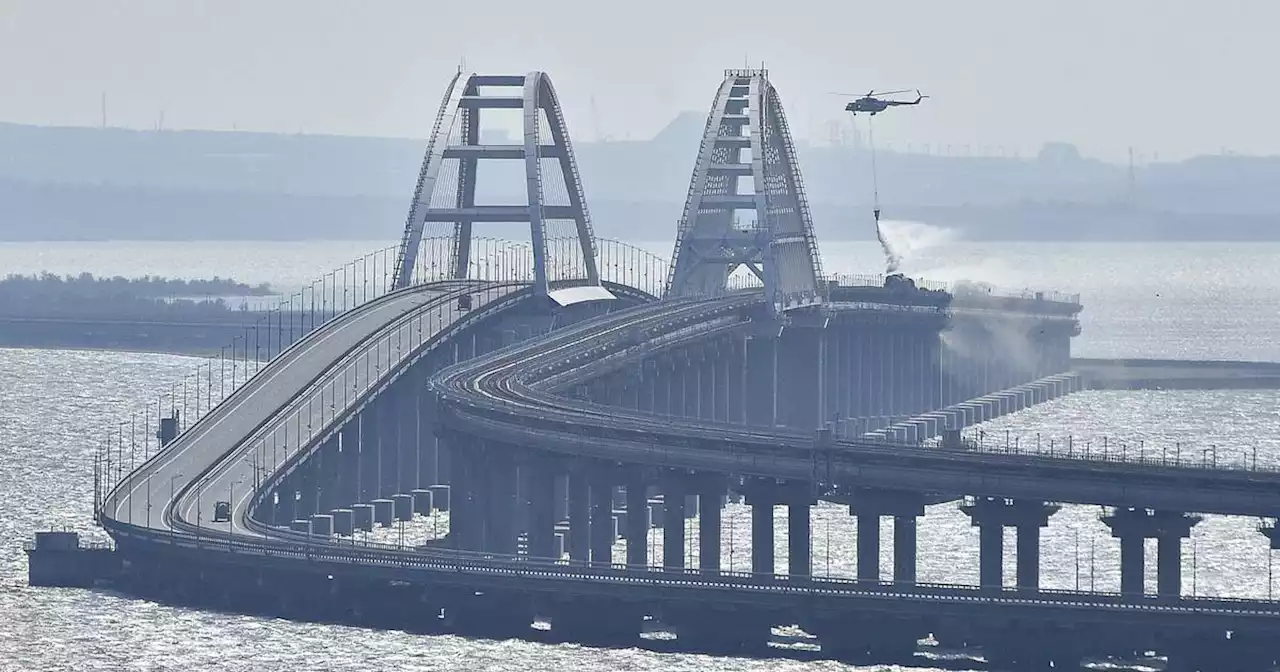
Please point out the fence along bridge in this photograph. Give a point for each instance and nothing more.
(556, 395)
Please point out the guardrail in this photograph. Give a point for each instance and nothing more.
(456, 562)
(1176, 456)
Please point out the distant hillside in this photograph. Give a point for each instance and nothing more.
(86, 184)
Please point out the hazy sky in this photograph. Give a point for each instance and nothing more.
(1167, 76)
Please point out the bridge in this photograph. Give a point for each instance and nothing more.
(563, 396)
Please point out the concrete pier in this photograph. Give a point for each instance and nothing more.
(439, 497)
(991, 515)
(402, 507)
(762, 496)
(636, 529)
(321, 524)
(869, 505)
(673, 520)
(343, 522)
(59, 559)
(383, 512)
(423, 501)
(362, 517)
(1132, 526)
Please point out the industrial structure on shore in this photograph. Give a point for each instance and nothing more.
(558, 397)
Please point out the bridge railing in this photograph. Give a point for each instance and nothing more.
(1182, 454)
(285, 544)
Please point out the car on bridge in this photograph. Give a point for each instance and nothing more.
(221, 512)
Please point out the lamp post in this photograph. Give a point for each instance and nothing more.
(1077, 535)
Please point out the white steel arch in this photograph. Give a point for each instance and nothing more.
(456, 137)
(747, 164)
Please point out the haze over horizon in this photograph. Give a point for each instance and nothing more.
(1169, 79)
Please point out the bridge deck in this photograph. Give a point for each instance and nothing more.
(257, 428)
(508, 396)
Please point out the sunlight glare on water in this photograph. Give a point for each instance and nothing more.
(1156, 300)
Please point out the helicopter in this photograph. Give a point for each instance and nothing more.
(871, 104)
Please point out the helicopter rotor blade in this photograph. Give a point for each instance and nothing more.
(890, 93)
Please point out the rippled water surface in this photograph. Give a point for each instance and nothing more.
(1194, 301)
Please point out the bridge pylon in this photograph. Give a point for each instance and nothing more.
(446, 192)
(746, 205)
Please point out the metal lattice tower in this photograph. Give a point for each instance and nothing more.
(446, 189)
(746, 203)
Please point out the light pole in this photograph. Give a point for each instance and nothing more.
(1077, 534)
(1092, 565)
(1194, 573)
(828, 543)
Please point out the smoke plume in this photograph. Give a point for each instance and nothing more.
(892, 260)
(905, 241)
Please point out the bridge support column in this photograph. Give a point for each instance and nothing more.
(762, 495)
(601, 517)
(869, 505)
(542, 519)
(904, 549)
(630, 390)
(800, 378)
(500, 523)
(761, 534)
(579, 515)
(799, 555)
(384, 407)
(691, 376)
(991, 515)
(933, 381)
(869, 547)
(1028, 568)
(427, 445)
(645, 397)
(717, 367)
(349, 464)
(711, 492)
(329, 470)
(405, 407)
(680, 384)
(367, 469)
(1133, 526)
(677, 383)
(673, 493)
(734, 366)
(832, 378)
(705, 375)
(465, 523)
(637, 520)
(761, 380)
(991, 555)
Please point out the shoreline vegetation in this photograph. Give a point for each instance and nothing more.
(117, 297)
(201, 317)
